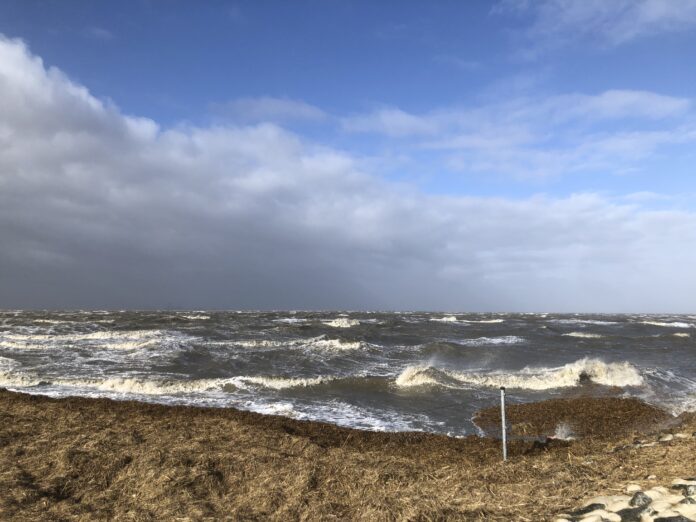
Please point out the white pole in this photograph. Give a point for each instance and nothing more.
(502, 416)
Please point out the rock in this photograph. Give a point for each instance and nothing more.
(661, 505)
(640, 499)
(666, 438)
(633, 488)
(686, 489)
(688, 500)
(618, 505)
(673, 518)
(651, 477)
(687, 510)
(589, 508)
(648, 445)
(687, 482)
(681, 435)
(632, 514)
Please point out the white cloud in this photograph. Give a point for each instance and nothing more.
(391, 122)
(559, 22)
(99, 33)
(544, 136)
(268, 109)
(102, 209)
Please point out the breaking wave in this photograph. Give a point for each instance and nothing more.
(583, 335)
(117, 340)
(320, 343)
(583, 321)
(342, 322)
(675, 324)
(132, 385)
(445, 319)
(572, 374)
(483, 341)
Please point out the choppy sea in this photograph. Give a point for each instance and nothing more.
(376, 371)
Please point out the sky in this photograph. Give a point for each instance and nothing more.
(506, 155)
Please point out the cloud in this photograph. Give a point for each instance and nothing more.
(391, 122)
(556, 23)
(102, 209)
(99, 33)
(268, 109)
(544, 136)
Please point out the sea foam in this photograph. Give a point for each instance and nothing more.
(342, 322)
(583, 335)
(619, 374)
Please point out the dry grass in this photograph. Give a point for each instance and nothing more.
(87, 459)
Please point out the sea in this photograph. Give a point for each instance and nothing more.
(383, 371)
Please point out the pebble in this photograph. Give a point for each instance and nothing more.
(666, 438)
(656, 504)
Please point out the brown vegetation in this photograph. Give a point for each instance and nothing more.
(92, 459)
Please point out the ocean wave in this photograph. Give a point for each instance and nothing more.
(583, 335)
(127, 385)
(445, 319)
(583, 321)
(681, 334)
(279, 383)
(159, 386)
(320, 343)
(290, 320)
(675, 324)
(483, 341)
(482, 321)
(572, 374)
(194, 317)
(117, 340)
(342, 322)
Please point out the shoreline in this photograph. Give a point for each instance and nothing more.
(86, 459)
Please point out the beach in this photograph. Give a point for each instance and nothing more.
(96, 459)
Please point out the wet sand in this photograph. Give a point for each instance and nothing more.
(96, 459)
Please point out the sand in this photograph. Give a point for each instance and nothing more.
(96, 459)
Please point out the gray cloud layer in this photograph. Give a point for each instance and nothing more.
(100, 209)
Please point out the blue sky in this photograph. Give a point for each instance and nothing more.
(458, 120)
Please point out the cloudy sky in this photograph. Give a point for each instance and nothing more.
(336, 154)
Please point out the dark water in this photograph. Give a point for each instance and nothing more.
(380, 371)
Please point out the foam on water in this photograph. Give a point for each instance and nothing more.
(126, 385)
(483, 341)
(342, 322)
(482, 321)
(572, 374)
(675, 324)
(681, 334)
(279, 383)
(583, 321)
(445, 319)
(318, 343)
(195, 317)
(584, 335)
(115, 340)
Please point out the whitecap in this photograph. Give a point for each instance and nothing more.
(675, 324)
(445, 319)
(320, 343)
(482, 341)
(584, 335)
(342, 322)
(619, 374)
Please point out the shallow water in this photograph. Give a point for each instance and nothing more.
(379, 371)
